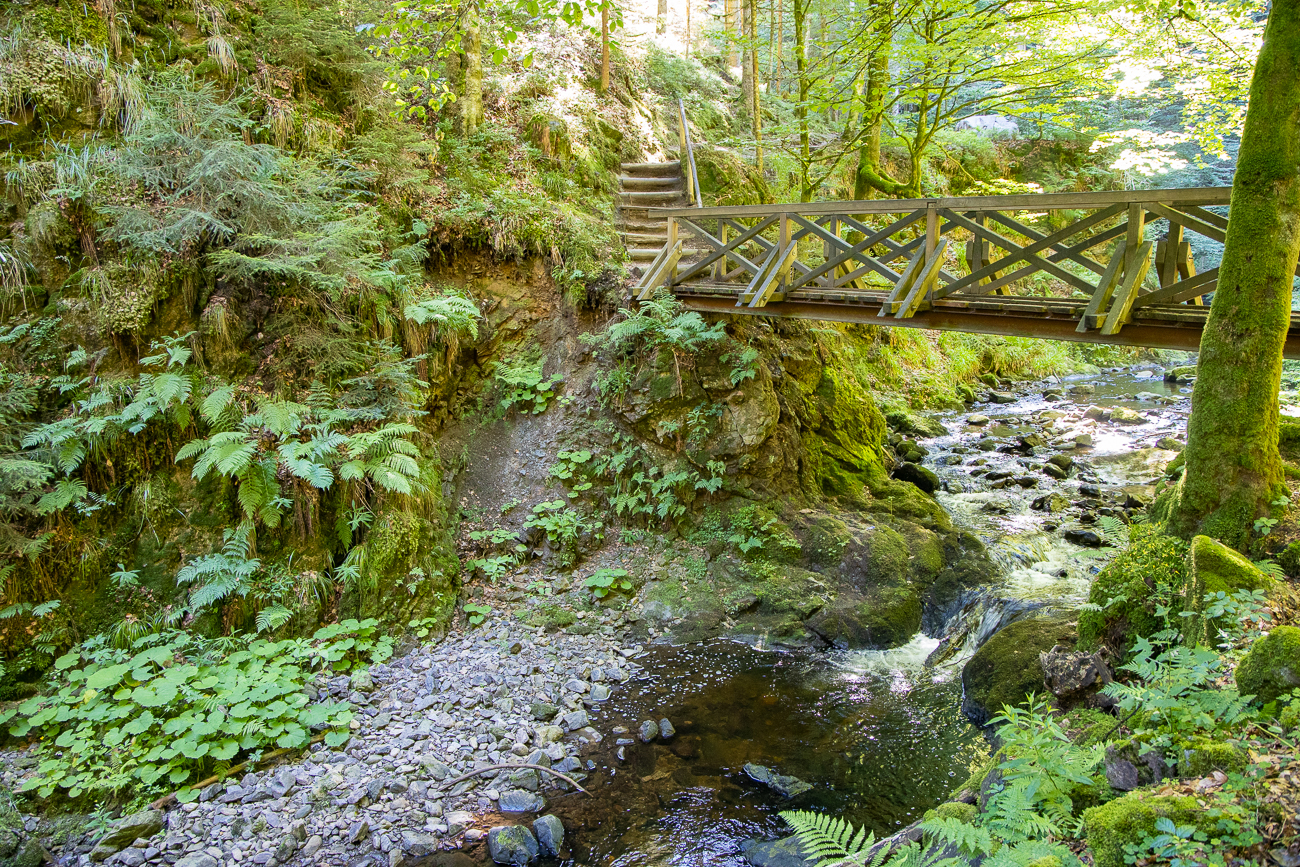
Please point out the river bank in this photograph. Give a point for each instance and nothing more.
(877, 735)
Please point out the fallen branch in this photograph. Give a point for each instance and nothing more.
(463, 777)
(167, 801)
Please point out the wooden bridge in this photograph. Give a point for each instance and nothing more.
(1090, 267)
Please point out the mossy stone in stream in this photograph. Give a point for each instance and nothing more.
(1213, 568)
(1125, 591)
(1271, 667)
(1006, 669)
(1131, 818)
(825, 541)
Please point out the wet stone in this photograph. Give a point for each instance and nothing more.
(512, 844)
(782, 784)
(550, 834)
(520, 801)
(648, 731)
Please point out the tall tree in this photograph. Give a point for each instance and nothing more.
(733, 38)
(1233, 471)
(471, 91)
(661, 20)
(749, 77)
(604, 47)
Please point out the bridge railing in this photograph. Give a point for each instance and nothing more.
(1082, 255)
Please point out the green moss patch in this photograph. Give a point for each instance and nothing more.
(1128, 819)
(1215, 568)
(1151, 568)
(1006, 669)
(1271, 667)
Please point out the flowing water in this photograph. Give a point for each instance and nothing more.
(878, 735)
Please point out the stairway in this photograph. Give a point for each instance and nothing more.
(645, 191)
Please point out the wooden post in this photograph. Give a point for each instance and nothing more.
(720, 266)
(1167, 255)
(783, 243)
(931, 229)
(672, 244)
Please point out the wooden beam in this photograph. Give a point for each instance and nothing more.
(1135, 270)
(1097, 306)
(924, 282)
(1028, 202)
(903, 286)
(1194, 286)
(1016, 253)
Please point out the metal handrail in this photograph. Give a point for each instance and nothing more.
(688, 151)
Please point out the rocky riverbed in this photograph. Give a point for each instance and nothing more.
(501, 695)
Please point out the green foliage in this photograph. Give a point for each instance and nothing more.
(661, 323)
(476, 612)
(521, 385)
(173, 708)
(604, 581)
(1138, 592)
(1176, 695)
(829, 840)
(561, 527)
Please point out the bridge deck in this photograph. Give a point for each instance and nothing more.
(1064, 266)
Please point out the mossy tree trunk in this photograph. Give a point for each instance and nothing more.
(661, 20)
(471, 97)
(868, 179)
(729, 19)
(1233, 470)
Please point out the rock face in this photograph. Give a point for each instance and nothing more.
(1271, 667)
(1213, 567)
(1007, 667)
(137, 826)
(786, 786)
(512, 844)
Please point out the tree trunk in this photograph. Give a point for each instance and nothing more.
(777, 47)
(661, 23)
(866, 182)
(604, 47)
(471, 97)
(688, 29)
(729, 20)
(1233, 470)
(752, 90)
(799, 12)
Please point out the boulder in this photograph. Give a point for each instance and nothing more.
(137, 826)
(1070, 674)
(1050, 503)
(417, 844)
(1122, 591)
(1083, 537)
(786, 852)
(1007, 667)
(923, 477)
(1271, 667)
(1124, 415)
(786, 786)
(550, 834)
(1001, 397)
(648, 731)
(520, 801)
(978, 419)
(512, 844)
(361, 681)
(917, 425)
(666, 729)
(1213, 567)
(1127, 820)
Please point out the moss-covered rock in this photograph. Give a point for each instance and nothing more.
(1006, 668)
(1271, 667)
(1213, 567)
(958, 810)
(1205, 755)
(1127, 591)
(1126, 820)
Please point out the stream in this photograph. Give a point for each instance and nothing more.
(879, 735)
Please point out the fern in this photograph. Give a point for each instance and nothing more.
(1113, 531)
(828, 839)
